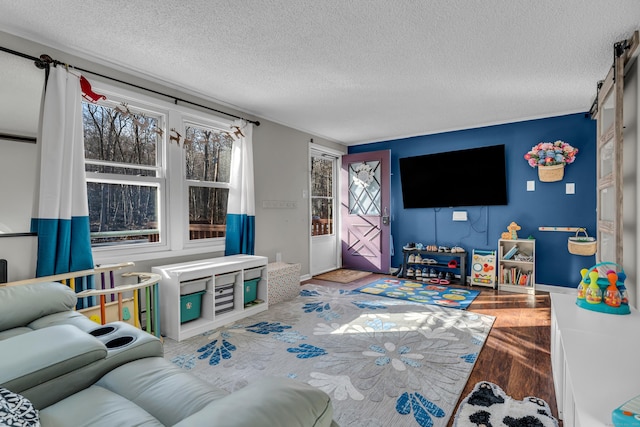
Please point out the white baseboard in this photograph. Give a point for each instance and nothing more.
(305, 277)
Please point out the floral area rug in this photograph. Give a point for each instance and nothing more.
(384, 362)
(421, 292)
(489, 405)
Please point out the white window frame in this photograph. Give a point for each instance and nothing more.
(208, 122)
(173, 216)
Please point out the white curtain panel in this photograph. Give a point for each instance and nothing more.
(241, 207)
(62, 219)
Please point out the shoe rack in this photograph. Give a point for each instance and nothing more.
(445, 262)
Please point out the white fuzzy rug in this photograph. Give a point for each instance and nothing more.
(489, 406)
(384, 362)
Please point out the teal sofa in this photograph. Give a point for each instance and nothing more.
(75, 372)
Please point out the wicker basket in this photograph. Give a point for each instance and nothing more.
(551, 173)
(582, 245)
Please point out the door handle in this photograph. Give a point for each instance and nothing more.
(385, 217)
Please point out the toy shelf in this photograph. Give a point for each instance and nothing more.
(516, 265)
(220, 305)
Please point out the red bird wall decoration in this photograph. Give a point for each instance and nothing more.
(88, 93)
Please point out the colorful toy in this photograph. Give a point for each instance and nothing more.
(512, 232)
(603, 294)
(612, 295)
(582, 287)
(594, 294)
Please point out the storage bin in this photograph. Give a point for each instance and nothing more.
(190, 306)
(223, 306)
(250, 290)
(225, 279)
(283, 282)
(224, 298)
(253, 273)
(193, 286)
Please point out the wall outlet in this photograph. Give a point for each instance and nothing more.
(571, 188)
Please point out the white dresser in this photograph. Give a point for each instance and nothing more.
(595, 359)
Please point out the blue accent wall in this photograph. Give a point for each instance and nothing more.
(548, 205)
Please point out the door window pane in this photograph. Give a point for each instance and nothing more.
(364, 188)
(322, 201)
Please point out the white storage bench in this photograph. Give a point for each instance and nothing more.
(284, 281)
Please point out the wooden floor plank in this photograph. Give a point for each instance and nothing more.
(516, 355)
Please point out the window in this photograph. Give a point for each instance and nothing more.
(207, 166)
(157, 175)
(322, 198)
(123, 174)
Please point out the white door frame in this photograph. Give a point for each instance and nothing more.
(319, 149)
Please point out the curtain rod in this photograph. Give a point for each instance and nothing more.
(44, 61)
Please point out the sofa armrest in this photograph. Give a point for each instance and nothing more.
(39, 356)
(268, 402)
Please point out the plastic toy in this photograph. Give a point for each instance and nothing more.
(603, 294)
(512, 232)
(582, 286)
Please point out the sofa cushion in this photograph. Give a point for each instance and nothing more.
(268, 402)
(14, 332)
(17, 410)
(74, 318)
(96, 407)
(162, 389)
(21, 305)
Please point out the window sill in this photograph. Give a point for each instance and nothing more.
(116, 257)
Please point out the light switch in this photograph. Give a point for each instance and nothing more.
(459, 215)
(571, 188)
(531, 186)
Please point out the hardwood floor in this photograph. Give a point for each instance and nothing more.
(516, 355)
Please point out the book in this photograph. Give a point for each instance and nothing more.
(511, 252)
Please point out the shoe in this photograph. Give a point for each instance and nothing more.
(432, 248)
(444, 249)
(425, 274)
(457, 249)
(419, 246)
(412, 259)
(417, 259)
(440, 275)
(418, 274)
(409, 246)
(410, 272)
(432, 272)
(450, 276)
(429, 261)
(453, 263)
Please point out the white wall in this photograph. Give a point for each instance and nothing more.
(280, 158)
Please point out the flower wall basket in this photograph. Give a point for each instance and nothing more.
(551, 173)
(582, 245)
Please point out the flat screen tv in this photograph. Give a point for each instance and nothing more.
(472, 177)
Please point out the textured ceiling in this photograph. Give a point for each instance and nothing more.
(352, 71)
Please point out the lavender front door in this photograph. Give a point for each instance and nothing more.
(366, 230)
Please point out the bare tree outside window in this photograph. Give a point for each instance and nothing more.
(322, 199)
(207, 168)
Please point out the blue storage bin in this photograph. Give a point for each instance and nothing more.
(250, 290)
(190, 306)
